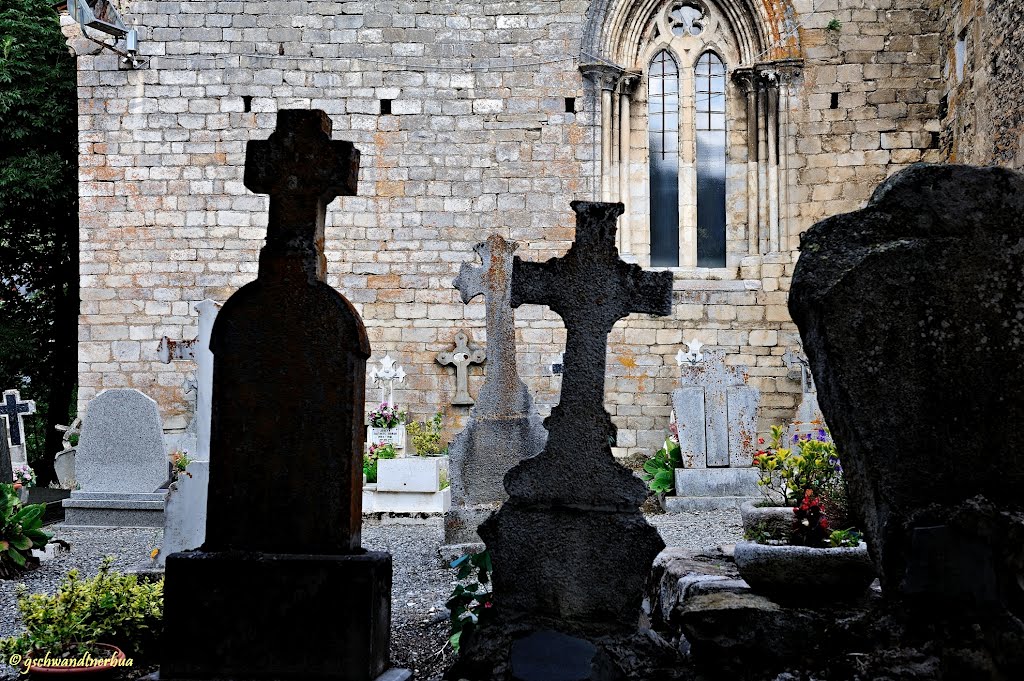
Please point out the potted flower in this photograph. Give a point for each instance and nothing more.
(84, 629)
(804, 545)
(21, 530)
(387, 426)
(372, 458)
(24, 477)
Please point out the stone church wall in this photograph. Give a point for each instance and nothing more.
(491, 129)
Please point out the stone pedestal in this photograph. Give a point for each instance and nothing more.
(114, 509)
(333, 615)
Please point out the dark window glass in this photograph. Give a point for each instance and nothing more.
(663, 128)
(710, 103)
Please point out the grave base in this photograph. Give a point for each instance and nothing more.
(460, 523)
(246, 615)
(706, 489)
(114, 509)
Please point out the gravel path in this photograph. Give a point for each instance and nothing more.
(420, 583)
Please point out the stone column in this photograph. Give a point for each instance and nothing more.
(762, 168)
(745, 78)
(771, 81)
(604, 77)
(626, 85)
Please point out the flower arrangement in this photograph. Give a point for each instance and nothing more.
(805, 473)
(179, 463)
(375, 454)
(387, 416)
(426, 439)
(24, 475)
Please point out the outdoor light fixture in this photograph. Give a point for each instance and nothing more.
(103, 16)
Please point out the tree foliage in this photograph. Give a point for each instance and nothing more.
(38, 220)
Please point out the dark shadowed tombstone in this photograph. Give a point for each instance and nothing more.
(912, 315)
(6, 466)
(281, 588)
(503, 426)
(571, 551)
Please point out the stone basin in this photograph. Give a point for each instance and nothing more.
(799, 571)
(776, 520)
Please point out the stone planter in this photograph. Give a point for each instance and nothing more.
(777, 521)
(411, 474)
(796, 572)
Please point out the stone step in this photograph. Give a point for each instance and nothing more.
(680, 504)
(717, 482)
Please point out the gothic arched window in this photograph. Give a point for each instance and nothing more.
(663, 128)
(710, 126)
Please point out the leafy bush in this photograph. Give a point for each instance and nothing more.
(787, 470)
(470, 601)
(426, 439)
(370, 459)
(21, 530)
(844, 538)
(659, 470)
(109, 608)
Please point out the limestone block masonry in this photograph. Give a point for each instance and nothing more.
(473, 119)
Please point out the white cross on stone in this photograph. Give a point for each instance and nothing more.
(389, 373)
(692, 354)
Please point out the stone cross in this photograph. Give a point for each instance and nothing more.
(389, 373)
(503, 392)
(573, 498)
(798, 363)
(289, 386)
(13, 408)
(461, 357)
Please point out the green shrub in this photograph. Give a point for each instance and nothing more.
(20, 532)
(660, 469)
(426, 439)
(471, 600)
(109, 608)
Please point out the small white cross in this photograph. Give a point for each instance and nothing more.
(389, 373)
(692, 354)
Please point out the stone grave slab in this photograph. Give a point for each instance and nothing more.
(120, 463)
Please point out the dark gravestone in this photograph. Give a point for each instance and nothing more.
(570, 548)
(281, 588)
(912, 315)
(503, 426)
(6, 467)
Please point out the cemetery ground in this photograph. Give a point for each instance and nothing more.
(419, 620)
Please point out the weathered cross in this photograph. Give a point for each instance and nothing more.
(503, 392)
(14, 408)
(461, 357)
(590, 288)
(302, 170)
(6, 465)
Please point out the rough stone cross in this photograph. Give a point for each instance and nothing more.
(302, 170)
(503, 392)
(14, 408)
(573, 498)
(590, 288)
(461, 357)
